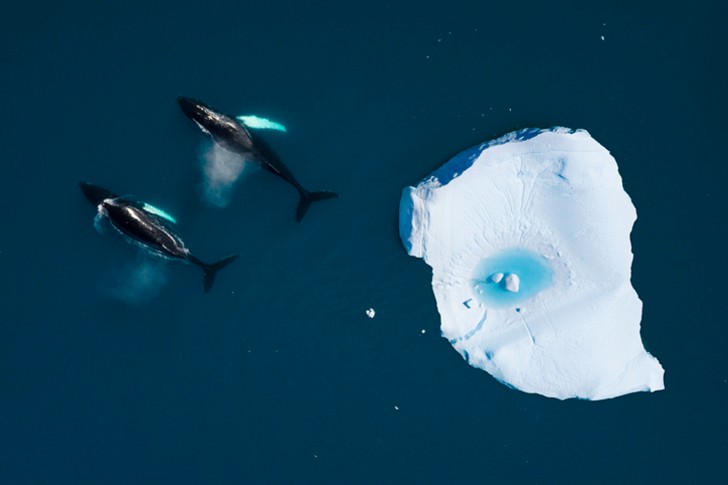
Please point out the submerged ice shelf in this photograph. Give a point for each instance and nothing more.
(528, 240)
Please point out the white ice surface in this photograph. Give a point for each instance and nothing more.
(573, 330)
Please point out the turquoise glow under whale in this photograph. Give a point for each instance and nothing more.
(158, 212)
(253, 121)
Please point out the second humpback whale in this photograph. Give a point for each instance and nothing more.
(149, 227)
(231, 135)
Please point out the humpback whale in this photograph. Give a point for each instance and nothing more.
(231, 135)
(148, 227)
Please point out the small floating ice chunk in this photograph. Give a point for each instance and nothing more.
(496, 277)
(370, 313)
(546, 207)
(513, 283)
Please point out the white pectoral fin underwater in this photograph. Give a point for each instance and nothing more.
(149, 228)
(158, 212)
(253, 121)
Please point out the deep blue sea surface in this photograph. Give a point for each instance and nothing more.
(118, 369)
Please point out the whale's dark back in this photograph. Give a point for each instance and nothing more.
(146, 229)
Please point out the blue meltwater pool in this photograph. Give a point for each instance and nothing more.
(533, 271)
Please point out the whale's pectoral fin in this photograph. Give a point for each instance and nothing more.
(308, 198)
(253, 121)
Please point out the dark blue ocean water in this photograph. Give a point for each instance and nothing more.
(277, 375)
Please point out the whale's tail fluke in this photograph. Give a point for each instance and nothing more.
(308, 198)
(210, 270)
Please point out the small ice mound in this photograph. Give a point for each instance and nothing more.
(370, 313)
(513, 283)
(535, 227)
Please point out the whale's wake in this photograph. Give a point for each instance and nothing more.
(221, 169)
(138, 282)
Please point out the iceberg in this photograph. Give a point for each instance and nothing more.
(528, 237)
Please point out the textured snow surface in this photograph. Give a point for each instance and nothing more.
(547, 208)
